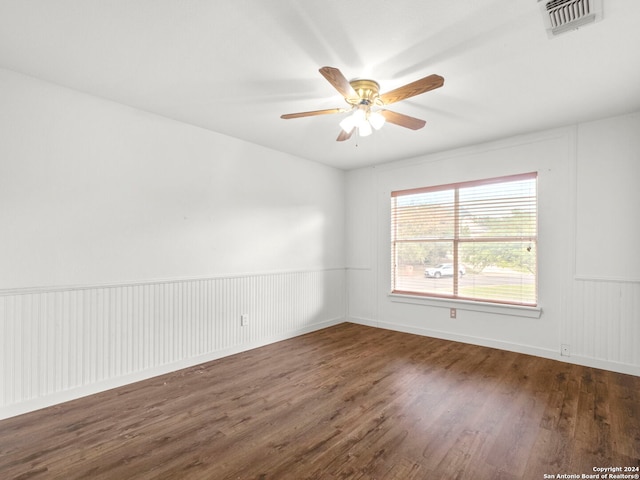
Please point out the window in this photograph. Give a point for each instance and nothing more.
(471, 241)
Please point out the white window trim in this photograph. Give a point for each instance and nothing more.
(474, 306)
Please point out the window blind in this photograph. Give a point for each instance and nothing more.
(473, 240)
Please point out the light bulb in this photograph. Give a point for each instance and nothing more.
(376, 119)
(359, 116)
(348, 123)
(364, 129)
(352, 120)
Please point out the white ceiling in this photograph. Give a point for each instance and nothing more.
(235, 66)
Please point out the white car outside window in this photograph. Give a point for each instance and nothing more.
(443, 270)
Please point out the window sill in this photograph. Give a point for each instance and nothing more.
(495, 308)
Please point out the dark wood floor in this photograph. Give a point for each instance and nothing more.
(348, 402)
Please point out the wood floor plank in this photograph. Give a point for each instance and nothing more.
(345, 403)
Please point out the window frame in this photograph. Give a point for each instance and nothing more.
(454, 299)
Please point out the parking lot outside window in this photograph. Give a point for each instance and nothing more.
(471, 241)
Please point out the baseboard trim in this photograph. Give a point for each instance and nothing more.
(603, 364)
(363, 321)
(511, 347)
(86, 390)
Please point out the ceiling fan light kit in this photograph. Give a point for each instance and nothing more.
(367, 112)
(363, 118)
(377, 120)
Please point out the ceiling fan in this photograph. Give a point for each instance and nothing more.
(366, 103)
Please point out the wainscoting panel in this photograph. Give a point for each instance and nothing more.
(605, 322)
(69, 339)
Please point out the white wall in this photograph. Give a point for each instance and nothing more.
(604, 320)
(132, 243)
(608, 199)
(96, 192)
(598, 319)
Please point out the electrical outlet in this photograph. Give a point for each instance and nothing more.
(244, 320)
(453, 313)
(565, 350)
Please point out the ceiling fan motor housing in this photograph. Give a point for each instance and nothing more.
(368, 92)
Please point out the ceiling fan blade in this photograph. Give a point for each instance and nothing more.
(339, 82)
(412, 89)
(313, 113)
(344, 135)
(403, 120)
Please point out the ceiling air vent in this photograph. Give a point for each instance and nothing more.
(561, 16)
